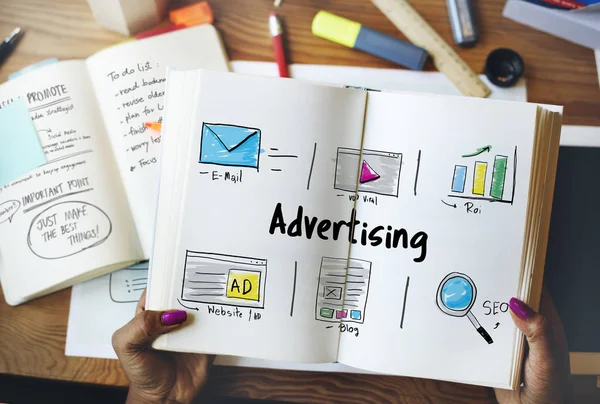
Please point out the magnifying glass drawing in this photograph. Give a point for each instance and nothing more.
(456, 296)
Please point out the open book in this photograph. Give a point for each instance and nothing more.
(90, 209)
(316, 224)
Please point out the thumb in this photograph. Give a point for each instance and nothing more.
(537, 330)
(145, 327)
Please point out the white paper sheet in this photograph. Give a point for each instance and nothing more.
(100, 307)
(91, 300)
(580, 136)
(378, 79)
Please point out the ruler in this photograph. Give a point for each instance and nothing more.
(419, 32)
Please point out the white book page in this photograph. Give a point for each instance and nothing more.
(261, 156)
(111, 301)
(129, 81)
(461, 212)
(71, 214)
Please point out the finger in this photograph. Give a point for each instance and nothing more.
(141, 306)
(559, 338)
(145, 328)
(548, 309)
(537, 330)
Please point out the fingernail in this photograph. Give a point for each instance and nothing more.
(522, 310)
(173, 317)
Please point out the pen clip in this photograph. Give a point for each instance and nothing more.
(14, 36)
(275, 25)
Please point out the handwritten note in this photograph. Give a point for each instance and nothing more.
(68, 228)
(68, 215)
(129, 82)
(20, 150)
(139, 89)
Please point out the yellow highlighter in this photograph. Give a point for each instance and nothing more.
(353, 35)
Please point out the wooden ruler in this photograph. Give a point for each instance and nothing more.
(419, 32)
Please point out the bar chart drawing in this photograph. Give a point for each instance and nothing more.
(491, 180)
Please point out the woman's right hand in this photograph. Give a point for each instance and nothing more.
(546, 374)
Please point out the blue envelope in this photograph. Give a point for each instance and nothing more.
(230, 145)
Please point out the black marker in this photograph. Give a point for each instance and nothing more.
(462, 20)
(9, 44)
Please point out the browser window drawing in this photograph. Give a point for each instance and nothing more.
(343, 290)
(230, 145)
(379, 171)
(225, 279)
(127, 285)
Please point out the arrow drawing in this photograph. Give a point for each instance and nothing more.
(479, 151)
(45, 130)
(191, 308)
(447, 204)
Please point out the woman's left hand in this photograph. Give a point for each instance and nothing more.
(158, 376)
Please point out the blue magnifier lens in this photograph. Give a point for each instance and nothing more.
(457, 293)
(456, 296)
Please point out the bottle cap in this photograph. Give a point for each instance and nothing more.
(504, 67)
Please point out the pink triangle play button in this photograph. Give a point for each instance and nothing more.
(367, 173)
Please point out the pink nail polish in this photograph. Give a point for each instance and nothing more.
(173, 317)
(522, 310)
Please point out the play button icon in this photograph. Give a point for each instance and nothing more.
(367, 173)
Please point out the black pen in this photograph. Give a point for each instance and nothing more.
(9, 43)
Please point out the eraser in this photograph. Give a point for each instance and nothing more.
(158, 31)
(196, 14)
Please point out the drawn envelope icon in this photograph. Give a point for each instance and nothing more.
(230, 145)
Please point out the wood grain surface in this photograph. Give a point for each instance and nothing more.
(32, 336)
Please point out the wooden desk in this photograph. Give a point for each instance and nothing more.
(32, 336)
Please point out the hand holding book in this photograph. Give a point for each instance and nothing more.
(158, 377)
(546, 378)
(547, 373)
(321, 233)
